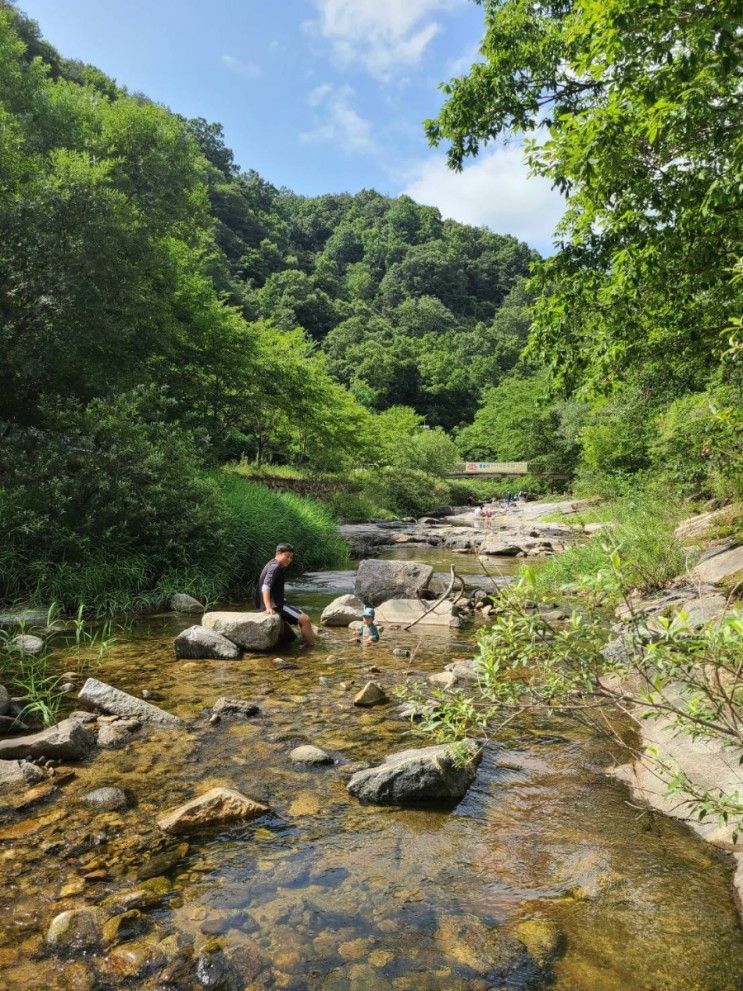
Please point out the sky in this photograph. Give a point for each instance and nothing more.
(321, 96)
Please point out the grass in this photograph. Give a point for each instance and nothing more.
(640, 531)
(250, 522)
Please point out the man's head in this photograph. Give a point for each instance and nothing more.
(284, 554)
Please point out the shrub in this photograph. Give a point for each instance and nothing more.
(697, 443)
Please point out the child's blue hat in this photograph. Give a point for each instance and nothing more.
(368, 612)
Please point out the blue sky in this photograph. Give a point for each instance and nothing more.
(317, 95)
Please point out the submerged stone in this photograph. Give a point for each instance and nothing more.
(68, 740)
(106, 698)
(75, 929)
(199, 643)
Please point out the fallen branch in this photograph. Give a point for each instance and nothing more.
(454, 577)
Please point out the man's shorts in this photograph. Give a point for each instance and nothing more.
(290, 614)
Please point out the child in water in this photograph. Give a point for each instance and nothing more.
(370, 633)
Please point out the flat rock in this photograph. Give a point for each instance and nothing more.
(249, 630)
(695, 527)
(308, 754)
(200, 643)
(181, 602)
(68, 740)
(234, 707)
(463, 670)
(403, 612)
(442, 679)
(430, 775)
(377, 581)
(106, 798)
(105, 698)
(370, 694)
(113, 735)
(24, 617)
(17, 775)
(342, 611)
(28, 644)
(717, 568)
(216, 807)
(75, 929)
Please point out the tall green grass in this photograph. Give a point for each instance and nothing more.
(640, 530)
(249, 521)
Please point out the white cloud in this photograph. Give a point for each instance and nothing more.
(336, 122)
(380, 35)
(242, 68)
(495, 191)
(461, 65)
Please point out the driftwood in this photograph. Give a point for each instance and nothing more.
(454, 577)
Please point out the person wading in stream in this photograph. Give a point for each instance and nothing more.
(269, 595)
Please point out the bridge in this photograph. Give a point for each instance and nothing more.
(490, 469)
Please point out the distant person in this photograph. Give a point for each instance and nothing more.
(269, 595)
(370, 633)
(487, 516)
(477, 517)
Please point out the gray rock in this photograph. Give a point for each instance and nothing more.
(234, 707)
(181, 602)
(430, 775)
(342, 611)
(403, 612)
(17, 775)
(75, 929)
(463, 670)
(370, 694)
(401, 652)
(249, 630)
(106, 798)
(24, 617)
(415, 711)
(4, 700)
(108, 699)
(12, 724)
(442, 679)
(308, 754)
(68, 740)
(199, 643)
(25, 643)
(377, 581)
(728, 561)
(113, 735)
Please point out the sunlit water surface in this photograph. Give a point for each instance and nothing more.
(326, 893)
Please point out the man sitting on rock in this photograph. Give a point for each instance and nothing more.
(269, 594)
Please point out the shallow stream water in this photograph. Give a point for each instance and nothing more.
(326, 893)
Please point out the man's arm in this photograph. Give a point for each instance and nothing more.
(267, 602)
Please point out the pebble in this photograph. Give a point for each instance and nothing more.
(308, 754)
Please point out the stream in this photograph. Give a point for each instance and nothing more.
(544, 851)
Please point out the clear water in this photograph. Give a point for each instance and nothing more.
(326, 893)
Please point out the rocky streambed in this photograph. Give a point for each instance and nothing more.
(542, 876)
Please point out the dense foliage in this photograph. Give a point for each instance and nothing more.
(638, 120)
(162, 312)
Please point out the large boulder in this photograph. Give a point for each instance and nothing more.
(105, 698)
(216, 807)
(403, 612)
(199, 643)
(249, 630)
(342, 611)
(181, 602)
(718, 567)
(68, 740)
(4, 700)
(429, 776)
(17, 775)
(377, 581)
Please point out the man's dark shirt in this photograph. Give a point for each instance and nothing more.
(273, 576)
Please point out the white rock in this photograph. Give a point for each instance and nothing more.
(402, 612)
(249, 630)
(342, 611)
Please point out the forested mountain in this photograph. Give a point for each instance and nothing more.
(408, 308)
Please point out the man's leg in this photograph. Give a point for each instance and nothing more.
(305, 625)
